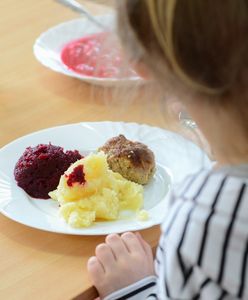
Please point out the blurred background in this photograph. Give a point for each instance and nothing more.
(28, 86)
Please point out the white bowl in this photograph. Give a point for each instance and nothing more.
(48, 46)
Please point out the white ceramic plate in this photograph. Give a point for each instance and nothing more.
(48, 46)
(175, 158)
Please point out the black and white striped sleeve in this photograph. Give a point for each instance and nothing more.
(203, 249)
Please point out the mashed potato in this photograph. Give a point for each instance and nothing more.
(90, 191)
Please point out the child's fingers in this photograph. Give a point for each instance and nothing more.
(116, 244)
(105, 256)
(132, 242)
(95, 268)
(147, 248)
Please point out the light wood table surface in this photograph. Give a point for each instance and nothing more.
(36, 264)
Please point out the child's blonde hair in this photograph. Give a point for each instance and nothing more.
(202, 42)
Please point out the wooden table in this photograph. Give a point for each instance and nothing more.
(36, 264)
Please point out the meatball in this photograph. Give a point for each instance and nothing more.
(39, 169)
(133, 160)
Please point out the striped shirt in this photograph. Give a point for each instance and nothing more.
(203, 248)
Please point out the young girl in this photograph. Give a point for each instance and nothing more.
(197, 50)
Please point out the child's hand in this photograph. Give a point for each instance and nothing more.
(119, 262)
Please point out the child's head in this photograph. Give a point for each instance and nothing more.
(198, 51)
(201, 45)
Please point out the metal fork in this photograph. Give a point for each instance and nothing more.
(79, 8)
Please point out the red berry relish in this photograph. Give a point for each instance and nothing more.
(39, 169)
(76, 176)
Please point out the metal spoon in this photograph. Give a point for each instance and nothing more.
(79, 8)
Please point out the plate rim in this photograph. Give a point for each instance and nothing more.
(98, 122)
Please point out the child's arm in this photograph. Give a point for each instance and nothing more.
(203, 251)
(144, 289)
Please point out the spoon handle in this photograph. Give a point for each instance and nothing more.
(79, 8)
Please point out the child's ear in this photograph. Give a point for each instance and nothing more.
(142, 70)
